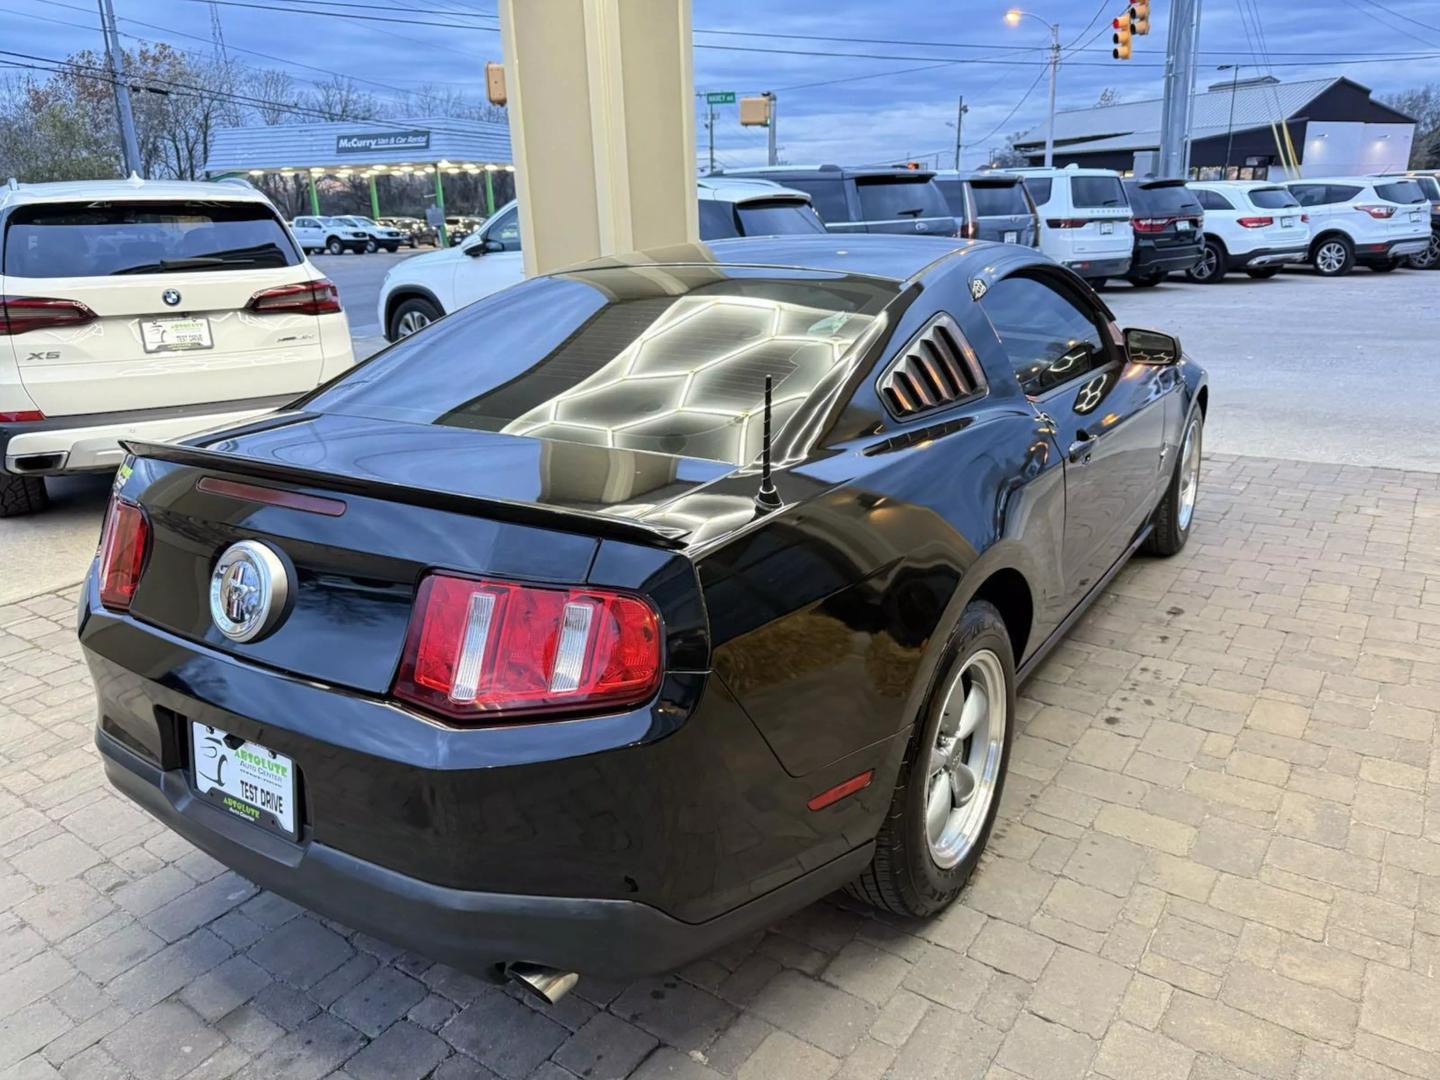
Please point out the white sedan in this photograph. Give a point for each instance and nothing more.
(418, 291)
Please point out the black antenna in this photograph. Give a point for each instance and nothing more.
(767, 498)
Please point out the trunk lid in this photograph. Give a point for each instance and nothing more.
(475, 502)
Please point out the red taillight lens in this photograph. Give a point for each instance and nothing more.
(478, 649)
(970, 230)
(1152, 225)
(122, 553)
(318, 297)
(1256, 222)
(1305, 219)
(23, 416)
(1067, 223)
(1379, 212)
(20, 314)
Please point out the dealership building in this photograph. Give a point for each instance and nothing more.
(371, 150)
(1241, 129)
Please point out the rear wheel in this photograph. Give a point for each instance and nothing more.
(1147, 281)
(1430, 257)
(392, 248)
(1176, 512)
(949, 786)
(1383, 268)
(412, 316)
(334, 247)
(1097, 283)
(22, 495)
(1334, 256)
(1264, 273)
(1210, 267)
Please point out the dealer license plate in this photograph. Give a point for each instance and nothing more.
(1287, 222)
(244, 778)
(1011, 236)
(1415, 216)
(175, 335)
(1182, 226)
(1106, 228)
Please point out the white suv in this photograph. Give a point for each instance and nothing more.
(137, 309)
(334, 236)
(1376, 222)
(1250, 225)
(1084, 219)
(377, 235)
(422, 289)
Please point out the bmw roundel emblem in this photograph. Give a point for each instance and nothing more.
(248, 591)
(171, 296)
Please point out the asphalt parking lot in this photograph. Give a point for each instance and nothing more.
(1218, 855)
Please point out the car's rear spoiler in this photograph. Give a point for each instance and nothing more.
(563, 519)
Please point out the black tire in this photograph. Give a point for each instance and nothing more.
(392, 248)
(1211, 267)
(410, 316)
(1429, 259)
(1097, 283)
(371, 247)
(1384, 268)
(1264, 273)
(334, 246)
(903, 877)
(1146, 281)
(22, 495)
(1171, 529)
(1333, 255)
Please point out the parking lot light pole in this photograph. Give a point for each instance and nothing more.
(1230, 125)
(374, 198)
(1013, 17)
(489, 191)
(314, 195)
(440, 205)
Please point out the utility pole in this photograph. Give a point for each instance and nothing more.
(129, 145)
(1179, 88)
(1230, 124)
(710, 126)
(774, 158)
(960, 111)
(1054, 75)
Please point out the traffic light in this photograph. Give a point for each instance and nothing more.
(1140, 16)
(1121, 37)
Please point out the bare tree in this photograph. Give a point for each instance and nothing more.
(277, 99)
(338, 98)
(1423, 103)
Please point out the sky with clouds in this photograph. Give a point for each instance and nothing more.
(859, 81)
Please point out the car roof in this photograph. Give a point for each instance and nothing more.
(232, 190)
(1024, 171)
(978, 174)
(737, 189)
(1361, 180)
(826, 172)
(1242, 185)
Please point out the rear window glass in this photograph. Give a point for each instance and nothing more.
(1096, 191)
(996, 200)
(1166, 200)
(101, 238)
(671, 364)
(1429, 186)
(778, 218)
(1401, 191)
(717, 220)
(1039, 188)
(954, 192)
(826, 196)
(1273, 198)
(889, 198)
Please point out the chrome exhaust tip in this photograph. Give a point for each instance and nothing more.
(544, 984)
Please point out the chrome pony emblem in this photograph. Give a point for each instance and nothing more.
(248, 591)
(171, 297)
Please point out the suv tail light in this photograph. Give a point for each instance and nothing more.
(970, 230)
(483, 649)
(1067, 223)
(22, 416)
(19, 314)
(1152, 225)
(1256, 222)
(318, 297)
(1380, 212)
(122, 553)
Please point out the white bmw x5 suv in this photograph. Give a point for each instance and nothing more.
(137, 309)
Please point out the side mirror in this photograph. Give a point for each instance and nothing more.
(1151, 347)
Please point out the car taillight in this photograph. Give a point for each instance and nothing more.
(1380, 212)
(1305, 219)
(1256, 222)
(318, 297)
(970, 230)
(21, 417)
(1067, 223)
(1152, 225)
(482, 649)
(122, 553)
(19, 314)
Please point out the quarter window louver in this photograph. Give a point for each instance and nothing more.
(936, 369)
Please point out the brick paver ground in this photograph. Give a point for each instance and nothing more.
(1219, 857)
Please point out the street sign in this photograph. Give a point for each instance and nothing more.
(721, 97)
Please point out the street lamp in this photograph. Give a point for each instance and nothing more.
(1013, 17)
(1230, 124)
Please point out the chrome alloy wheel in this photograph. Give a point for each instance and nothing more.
(1330, 257)
(1209, 264)
(1430, 256)
(1189, 475)
(412, 321)
(964, 766)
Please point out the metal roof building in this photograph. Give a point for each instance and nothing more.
(1334, 125)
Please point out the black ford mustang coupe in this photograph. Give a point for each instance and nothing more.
(637, 606)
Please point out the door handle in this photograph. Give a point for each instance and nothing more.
(1080, 449)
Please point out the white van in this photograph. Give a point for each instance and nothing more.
(1084, 219)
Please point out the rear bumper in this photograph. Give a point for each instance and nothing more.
(1150, 260)
(1391, 251)
(1099, 268)
(91, 442)
(1272, 256)
(473, 931)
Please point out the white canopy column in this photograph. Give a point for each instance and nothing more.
(602, 126)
